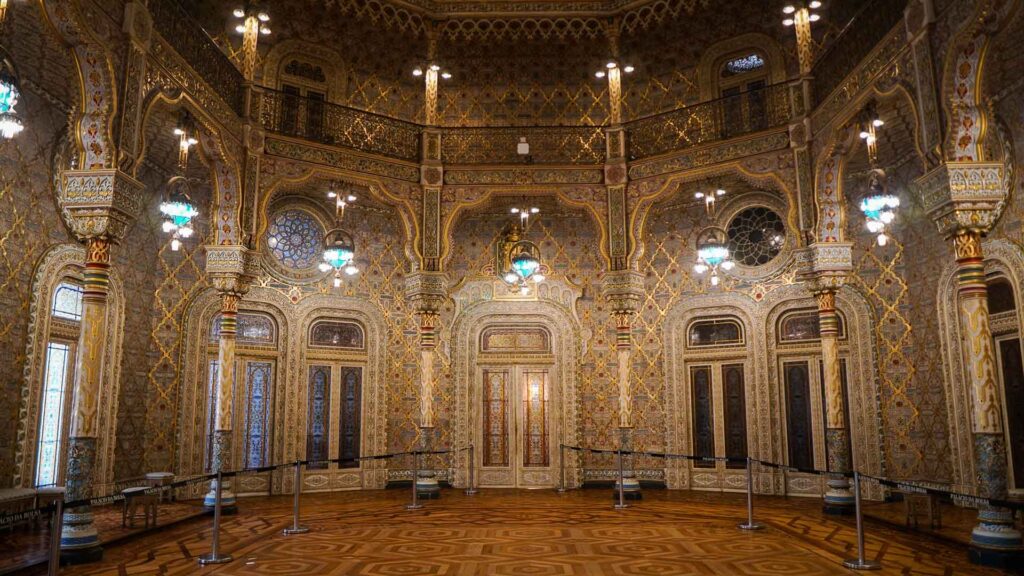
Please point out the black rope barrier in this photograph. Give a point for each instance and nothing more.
(902, 485)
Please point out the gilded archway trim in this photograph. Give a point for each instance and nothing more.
(63, 261)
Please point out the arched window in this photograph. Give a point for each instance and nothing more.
(742, 79)
(716, 332)
(802, 326)
(58, 382)
(336, 334)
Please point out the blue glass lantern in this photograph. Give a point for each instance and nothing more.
(339, 252)
(10, 120)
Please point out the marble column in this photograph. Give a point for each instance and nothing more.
(79, 540)
(838, 498)
(995, 534)
(224, 409)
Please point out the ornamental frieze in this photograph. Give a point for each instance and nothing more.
(714, 154)
(523, 176)
(339, 159)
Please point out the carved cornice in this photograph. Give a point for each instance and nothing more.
(964, 195)
(825, 267)
(100, 203)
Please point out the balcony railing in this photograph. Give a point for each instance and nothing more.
(856, 40)
(195, 46)
(548, 145)
(320, 121)
(721, 119)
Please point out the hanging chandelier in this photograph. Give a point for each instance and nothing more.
(877, 204)
(10, 91)
(520, 262)
(339, 246)
(177, 209)
(713, 253)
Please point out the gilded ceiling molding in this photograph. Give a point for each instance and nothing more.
(289, 176)
(711, 60)
(90, 41)
(642, 195)
(455, 200)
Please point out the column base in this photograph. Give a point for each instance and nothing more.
(1005, 560)
(427, 486)
(839, 500)
(228, 504)
(72, 556)
(630, 487)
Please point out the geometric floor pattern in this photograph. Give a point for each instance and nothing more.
(531, 533)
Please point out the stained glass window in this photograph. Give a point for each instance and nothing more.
(51, 420)
(536, 429)
(259, 378)
(318, 435)
(735, 414)
(351, 390)
(251, 328)
(741, 65)
(756, 236)
(495, 395)
(67, 301)
(211, 410)
(703, 423)
(803, 326)
(333, 334)
(296, 239)
(718, 332)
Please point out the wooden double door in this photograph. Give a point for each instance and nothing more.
(517, 446)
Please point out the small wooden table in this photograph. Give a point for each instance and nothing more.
(137, 497)
(913, 505)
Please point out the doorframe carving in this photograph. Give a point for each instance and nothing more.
(553, 308)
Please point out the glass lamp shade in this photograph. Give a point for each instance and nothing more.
(525, 265)
(713, 254)
(879, 206)
(10, 121)
(340, 249)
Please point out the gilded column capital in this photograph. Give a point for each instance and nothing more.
(428, 291)
(100, 203)
(624, 290)
(964, 195)
(232, 268)
(825, 266)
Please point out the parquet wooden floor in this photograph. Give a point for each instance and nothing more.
(508, 532)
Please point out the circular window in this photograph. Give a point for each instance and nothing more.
(756, 236)
(295, 239)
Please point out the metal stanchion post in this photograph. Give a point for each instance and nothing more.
(215, 557)
(860, 562)
(415, 505)
(750, 524)
(296, 528)
(56, 521)
(561, 469)
(471, 489)
(622, 488)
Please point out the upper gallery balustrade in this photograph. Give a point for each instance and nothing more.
(317, 120)
(715, 120)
